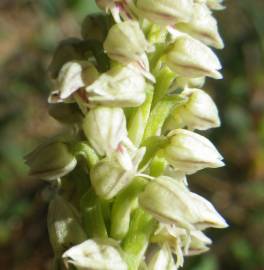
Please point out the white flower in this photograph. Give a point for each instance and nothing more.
(162, 259)
(73, 76)
(165, 12)
(125, 42)
(105, 128)
(171, 202)
(95, 254)
(119, 87)
(199, 112)
(202, 26)
(176, 238)
(189, 152)
(108, 177)
(206, 212)
(141, 65)
(189, 57)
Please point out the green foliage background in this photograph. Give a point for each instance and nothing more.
(29, 32)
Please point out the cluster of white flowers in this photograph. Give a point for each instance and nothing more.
(132, 89)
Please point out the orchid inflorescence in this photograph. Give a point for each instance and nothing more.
(129, 93)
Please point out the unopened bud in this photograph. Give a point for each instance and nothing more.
(166, 12)
(105, 128)
(202, 26)
(95, 254)
(190, 152)
(188, 57)
(63, 225)
(125, 42)
(51, 161)
(119, 87)
(108, 177)
(171, 202)
(199, 112)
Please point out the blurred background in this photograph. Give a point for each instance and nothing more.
(29, 33)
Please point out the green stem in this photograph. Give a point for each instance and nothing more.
(160, 113)
(139, 118)
(92, 215)
(154, 59)
(123, 205)
(157, 118)
(164, 79)
(153, 145)
(137, 240)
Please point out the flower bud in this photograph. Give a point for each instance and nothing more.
(73, 76)
(142, 66)
(108, 177)
(200, 111)
(188, 57)
(202, 26)
(51, 161)
(162, 259)
(63, 225)
(95, 254)
(167, 12)
(105, 128)
(189, 152)
(171, 202)
(119, 87)
(125, 42)
(198, 244)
